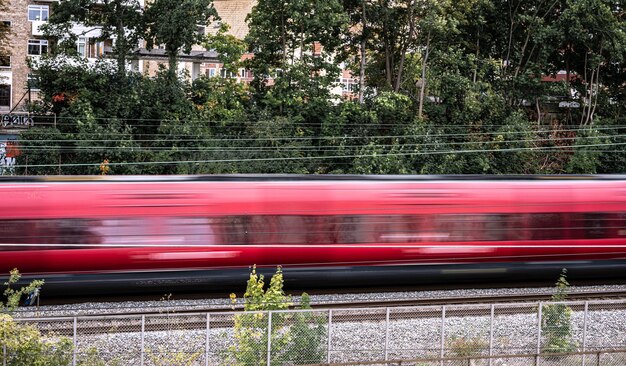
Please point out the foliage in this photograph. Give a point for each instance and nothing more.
(12, 295)
(463, 347)
(464, 87)
(295, 43)
(556, 325)
(295, 339)
(174, 23)
(25, 346)
(121, 19)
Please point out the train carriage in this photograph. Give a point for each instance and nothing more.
(134, 234)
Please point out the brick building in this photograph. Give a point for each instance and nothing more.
(23, 18)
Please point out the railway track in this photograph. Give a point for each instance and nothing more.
(364, 304)
(188, 319)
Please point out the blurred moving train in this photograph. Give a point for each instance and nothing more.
(134, 234)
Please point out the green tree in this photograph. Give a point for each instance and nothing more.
(295, 43)
(174, 24)
(118, 19)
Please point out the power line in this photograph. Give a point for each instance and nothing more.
(276, 159)
(282, 148)
(296, 138)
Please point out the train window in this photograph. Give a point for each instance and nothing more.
(621, 224)
(348, 229)
(291, 229)
(395, 229)
(324, 230)
(233, 230)
(47, 234)
(516, 227)
(547, 226)
(596, 225)
(188, 231)
(495, 227)
(125, 231)
(15, 233)
(261, 229)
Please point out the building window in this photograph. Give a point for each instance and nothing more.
(33, 82)
(37, 12)
(5, 61)
(211, 73)
(81, 47)
(347, 84)
(37, 47)
(227, 74)
(5, 95)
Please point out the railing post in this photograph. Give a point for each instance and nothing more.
(269, 338)
(443, 332)
(4, 343)
(74, 341)
(330, 334)
(387, 336)
(585, 331)
(491, 333)
(143, 330)
(206, 344)
(539, 323)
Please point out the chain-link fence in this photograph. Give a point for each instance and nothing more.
(528, 333)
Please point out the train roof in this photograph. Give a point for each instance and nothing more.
(294, 177)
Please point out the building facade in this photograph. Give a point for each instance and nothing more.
(24, 17)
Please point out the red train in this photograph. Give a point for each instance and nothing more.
(167, 233)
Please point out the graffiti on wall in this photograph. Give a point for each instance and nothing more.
(9, 151)
(16, 121)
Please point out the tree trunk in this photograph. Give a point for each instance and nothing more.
(396, 87)
(363, 62)
(423, 86)
(172, 59)
(120, 42)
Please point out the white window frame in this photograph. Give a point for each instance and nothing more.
(10, 87)
(43, 10)
(212, 72)
(37, 42)
(32, 77)
(82, 41)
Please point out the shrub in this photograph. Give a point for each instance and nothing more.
(556, 325)
(296, 338)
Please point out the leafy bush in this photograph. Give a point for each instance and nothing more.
(556, 324)
(295, 338)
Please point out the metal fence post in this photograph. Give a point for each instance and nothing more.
(585, 330)
(269, 339)
(387, 336)
(539, 323)
(74, 341)
(491, 333)
(206, 345)
(143, 330)
(443, 332)
(330, 334)
(4, 343)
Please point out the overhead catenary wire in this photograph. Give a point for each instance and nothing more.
(306, 138)
(300, 158)
(292, 147)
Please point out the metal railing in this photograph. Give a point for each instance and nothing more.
(479, 334)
